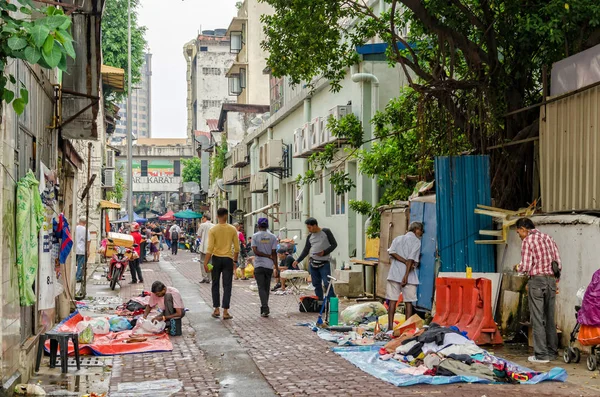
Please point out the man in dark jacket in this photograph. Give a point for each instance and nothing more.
(320, 243)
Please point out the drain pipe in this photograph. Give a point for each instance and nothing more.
(367, 78)
(306, 188)
(254, 171)
(270, 180)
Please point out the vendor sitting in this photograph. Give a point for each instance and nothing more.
(286, 262)
(168, 300)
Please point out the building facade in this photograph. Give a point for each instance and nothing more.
(141, 107)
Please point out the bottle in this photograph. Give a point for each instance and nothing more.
(377, 327)
(469, 272)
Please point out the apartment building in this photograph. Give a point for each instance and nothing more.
(141, 107)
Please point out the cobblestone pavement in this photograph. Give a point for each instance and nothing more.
(296, 362)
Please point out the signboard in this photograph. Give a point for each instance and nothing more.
(46, 274)
(159, 175)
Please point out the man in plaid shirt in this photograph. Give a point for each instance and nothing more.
(538, 251)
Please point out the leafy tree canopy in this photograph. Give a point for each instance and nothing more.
(468, 63)
(192, 169)
(114, 40)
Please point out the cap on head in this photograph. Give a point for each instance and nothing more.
(263, 222)
(135, 226)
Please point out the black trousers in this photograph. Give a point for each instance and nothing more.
(263, 281)
(136, 270)
(222, 267)
(143, 251)
(174, 247)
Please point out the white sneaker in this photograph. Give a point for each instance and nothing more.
(533, 359)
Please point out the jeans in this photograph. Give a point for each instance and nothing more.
(168, 241)
(542, 300)
(263, 281)
(222, 266)
(143, 252)
(80, 265)
(320, 280)
(136, 271)
(174, 247)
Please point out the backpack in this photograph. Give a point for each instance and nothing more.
(174, 235)
(309, 304)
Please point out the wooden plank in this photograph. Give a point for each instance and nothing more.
(493, 214)
(495, 209)
(490, 242)
(497, 233)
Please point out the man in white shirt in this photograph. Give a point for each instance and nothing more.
(402, 278)
(205, 226)
(80, 243)
(175, 232)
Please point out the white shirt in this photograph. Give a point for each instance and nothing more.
(203, 234)
(80, 240)
(175, 228)
(407, 246)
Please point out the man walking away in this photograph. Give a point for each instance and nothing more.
(402, 278)
(134, 264)
(80, 248)
(174, 231)
(320, 243)
(538, 252)
(264, 245)
(223, 249)
(205, 226)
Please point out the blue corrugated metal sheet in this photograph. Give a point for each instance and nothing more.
(426, 213)
(462, 183)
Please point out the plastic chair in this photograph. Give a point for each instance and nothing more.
(58, 340)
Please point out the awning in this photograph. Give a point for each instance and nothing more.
(236, 25)
(105, 204)
(263, 209)
(235, 68)
(187, 214)
(169, 216)
(113, 77)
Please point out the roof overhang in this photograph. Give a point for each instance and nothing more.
(235, 68)
(236, 25)
(105, 204)
(113, 77)
(239, 108)
(80, 98)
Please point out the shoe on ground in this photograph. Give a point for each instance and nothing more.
(133, 282)
(207, 281)
(276, 287)
(534, 359)
(264, 314)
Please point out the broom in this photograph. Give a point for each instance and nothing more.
(325, 300)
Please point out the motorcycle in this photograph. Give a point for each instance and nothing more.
(118, 264)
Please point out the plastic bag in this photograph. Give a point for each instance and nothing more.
(100, 325)
(249, 271)
(580, 294)
(118, 324)
(239, 272)
(87, 335)
(354, 314)
(145, 326)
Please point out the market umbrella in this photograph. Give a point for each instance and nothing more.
(187, 214)
(136, 218)
(169, 216)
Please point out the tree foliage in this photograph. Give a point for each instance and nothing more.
(116, 195)
(192, 169)
(219, 161)
(468, 63)
(114, 41)
(36, 35)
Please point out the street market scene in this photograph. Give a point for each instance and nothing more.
(317, 197)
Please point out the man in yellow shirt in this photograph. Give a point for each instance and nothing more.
(223, 248)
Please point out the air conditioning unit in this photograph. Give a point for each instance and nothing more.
(323, 131)
(109, 178)
(315, 133)
(110, 158)
(271, 155)
(239, 155)
(258, 183)
(337, 112)
(298, 136)
(229, 174)
(305, 144)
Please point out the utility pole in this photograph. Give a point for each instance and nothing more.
(129, 121)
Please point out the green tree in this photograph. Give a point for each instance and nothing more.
(468, 63)
(192, 170)
(114, 41)
(44, 39)
(219, 161)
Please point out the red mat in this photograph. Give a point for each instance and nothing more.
(113, 343)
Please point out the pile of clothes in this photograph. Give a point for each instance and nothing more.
(445, 351)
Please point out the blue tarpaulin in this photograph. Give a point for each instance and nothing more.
(367, 359)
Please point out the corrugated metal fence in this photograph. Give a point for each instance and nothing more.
(570, 152)
(462, 183)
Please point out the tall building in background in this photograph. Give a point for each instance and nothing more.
(141, 106)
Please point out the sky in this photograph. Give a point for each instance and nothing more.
(168, 30)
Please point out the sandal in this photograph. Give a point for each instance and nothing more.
(216, 315)
(227, 316)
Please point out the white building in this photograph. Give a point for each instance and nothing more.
(277, 150)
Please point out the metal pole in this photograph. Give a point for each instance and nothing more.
(129, 121)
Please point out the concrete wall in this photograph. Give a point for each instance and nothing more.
(577, 238)
(257, 91)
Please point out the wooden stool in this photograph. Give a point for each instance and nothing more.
(58, 340)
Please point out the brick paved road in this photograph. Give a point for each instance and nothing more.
(296, 362)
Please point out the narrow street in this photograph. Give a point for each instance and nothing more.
(254, 356)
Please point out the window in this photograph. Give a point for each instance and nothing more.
(294, 202)
(203, 49)
(177, 168)
(276, 86)
(338, 202)
(211, 103)
(320, 184)
(212, 71)
(144, 166)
